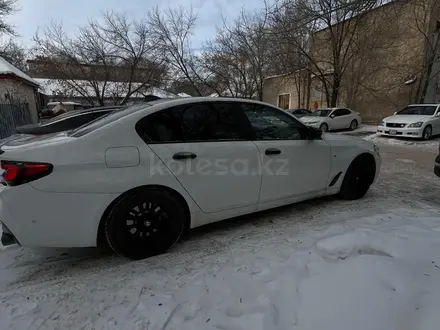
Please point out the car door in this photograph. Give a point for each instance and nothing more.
(342, 118)
(348, 117)
(207, 148)
(336, 120)
(293, 164)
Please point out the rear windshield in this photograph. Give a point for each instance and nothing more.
(106, 119)
(62, 116)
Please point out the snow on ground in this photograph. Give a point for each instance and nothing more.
(322, 264)
(378, 272)
(432, 144)
(368, 132)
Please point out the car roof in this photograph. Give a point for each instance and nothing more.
(189, 100)
(138, 110)
(424, 104)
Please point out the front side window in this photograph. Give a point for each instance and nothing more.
(271, 124)
(424, 110)
(209, 121)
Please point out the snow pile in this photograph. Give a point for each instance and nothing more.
(408, 142)
(363, 280)
(381, 275)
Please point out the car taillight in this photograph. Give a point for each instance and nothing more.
(16, 173)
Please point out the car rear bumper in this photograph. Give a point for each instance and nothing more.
(43, 219)
(400, 132)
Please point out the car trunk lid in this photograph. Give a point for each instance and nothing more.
(26, 141)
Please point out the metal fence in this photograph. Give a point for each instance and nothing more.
(12, 114)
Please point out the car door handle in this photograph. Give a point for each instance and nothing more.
(272, 151)
(184, 155)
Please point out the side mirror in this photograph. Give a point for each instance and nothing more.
(315, 133)
(395, 113)
(437, 114)
(332, 116)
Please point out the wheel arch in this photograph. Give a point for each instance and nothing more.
(367, 159)
(429, 124)
(100, 239)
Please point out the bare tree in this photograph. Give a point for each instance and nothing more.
(239, 57)
(7, 7)
(9, 49)
(14, 53)
(113, 57)
(322, 34)
(173, 30)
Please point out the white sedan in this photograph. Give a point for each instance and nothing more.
(333, 119)
(140, 177)
(420, 121)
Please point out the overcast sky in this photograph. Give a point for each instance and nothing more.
(36, 14)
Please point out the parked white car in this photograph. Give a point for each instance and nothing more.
(140, 177)
(333, 119)
(420, 121)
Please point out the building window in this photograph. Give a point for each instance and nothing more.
(284, 101)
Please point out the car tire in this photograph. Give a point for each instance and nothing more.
(353, 125)
(144, 223)
(323, 127)
(427, 133)
(358, 178)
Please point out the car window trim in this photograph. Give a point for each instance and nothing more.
(306, 128)
(250, 132)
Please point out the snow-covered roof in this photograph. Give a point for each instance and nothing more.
(112, 89)
(228, 94)
(159, 92)
(8, 68)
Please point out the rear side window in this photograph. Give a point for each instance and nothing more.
(210, 121)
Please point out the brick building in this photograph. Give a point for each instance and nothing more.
(393, 63)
